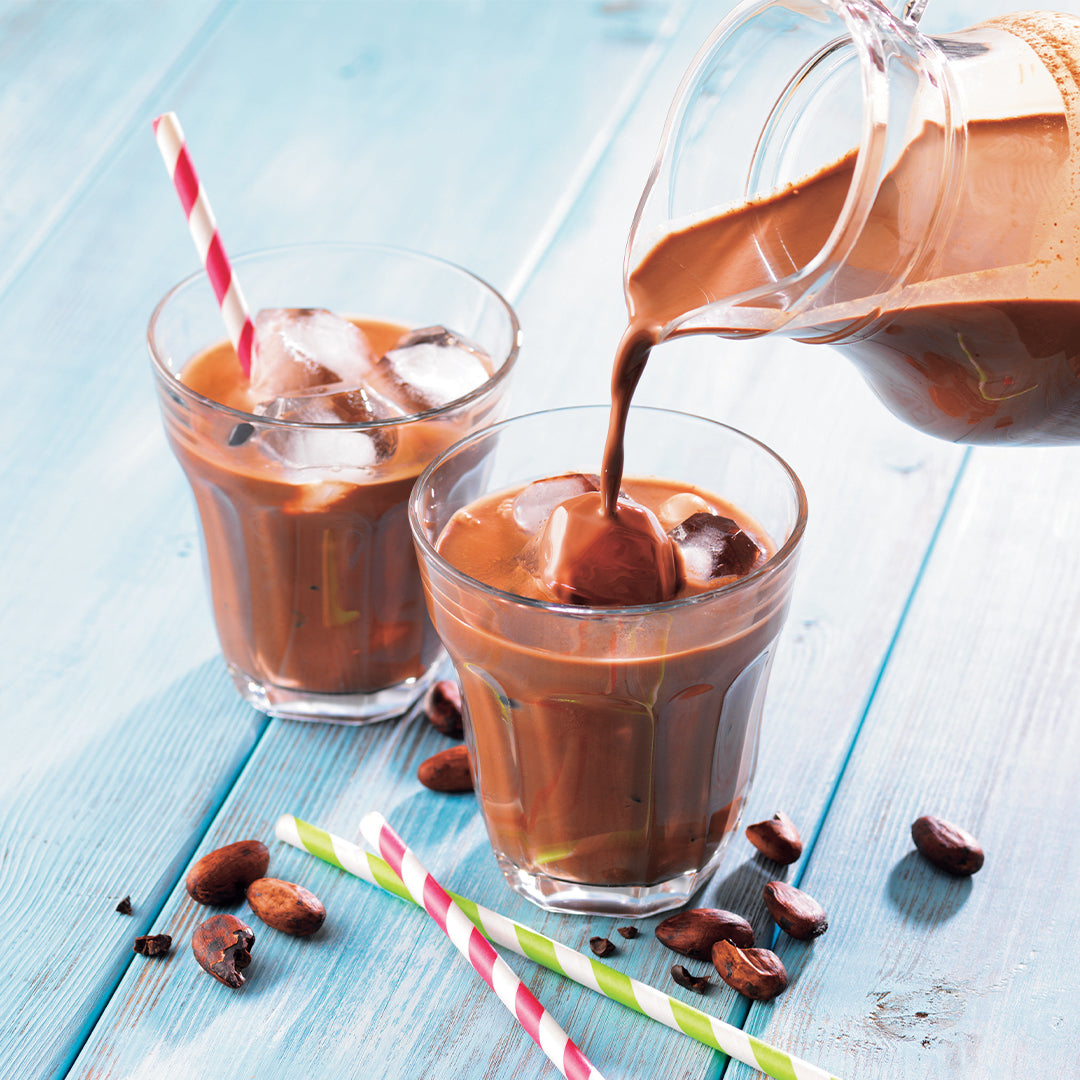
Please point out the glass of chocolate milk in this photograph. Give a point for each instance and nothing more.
(612, 746)
(302, 492)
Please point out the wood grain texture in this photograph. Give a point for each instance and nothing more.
(71, 76)
(897, 476)
(514, 138)
(121, 731)
(455, 128)
(920, 973)
(92, 717)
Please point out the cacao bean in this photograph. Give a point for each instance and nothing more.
(442, 707)
(699, 983)
(222, 875)
(152, 944)
(601, 946)
(222, 945)
(628, 932)
(290, 908)
(693, 933)
(447, 770)
(947, 846)
(755, 973)
(796, 913)
(777, 839)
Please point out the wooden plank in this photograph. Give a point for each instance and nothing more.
(71, 76)
(875, 492)
(459, 129)
(121, 731)
(919, 973)
(379, 990)
(400, 1005)
(915, 976)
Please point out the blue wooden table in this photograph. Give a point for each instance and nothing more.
(929, 664)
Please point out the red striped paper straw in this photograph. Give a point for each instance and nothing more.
(453, 922)
(204, 232)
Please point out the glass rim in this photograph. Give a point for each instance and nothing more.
(776, 562)
(499, 375)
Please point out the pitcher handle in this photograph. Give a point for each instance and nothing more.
(913, 11)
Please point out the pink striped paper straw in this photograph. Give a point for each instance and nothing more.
(453, 922)
(204, 232)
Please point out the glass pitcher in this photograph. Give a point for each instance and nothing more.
(830, 173)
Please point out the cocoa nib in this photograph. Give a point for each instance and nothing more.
(152, 944)
(290, 908)
(222, 945)
(442, 707)
(601, 946)
(447, 770)
(947, 846)
(691, 982)
(777, 839)
(222, 875)
(755, 973)
(796, 913)
(693, 933)
(124, 907)
(628, 932)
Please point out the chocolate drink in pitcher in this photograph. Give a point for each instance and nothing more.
(938, 253)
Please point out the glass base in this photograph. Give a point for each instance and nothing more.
(355, 708)
(624, 901)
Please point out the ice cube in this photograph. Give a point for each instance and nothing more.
(712, 546)
(330, 447)
(335, 403)
(533, 504)
(585, 556)
(431, 367)
(679, 507)
(298, 348)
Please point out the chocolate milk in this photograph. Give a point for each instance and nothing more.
(314, 583)
(970, 334)
(607, 752)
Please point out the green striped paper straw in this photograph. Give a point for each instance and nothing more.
(583, 969)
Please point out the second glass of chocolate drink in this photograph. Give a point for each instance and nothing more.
(612, 745)
(368, 362)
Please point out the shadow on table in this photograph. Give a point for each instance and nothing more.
(924, 893)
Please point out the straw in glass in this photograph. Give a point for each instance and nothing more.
(204, 231)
